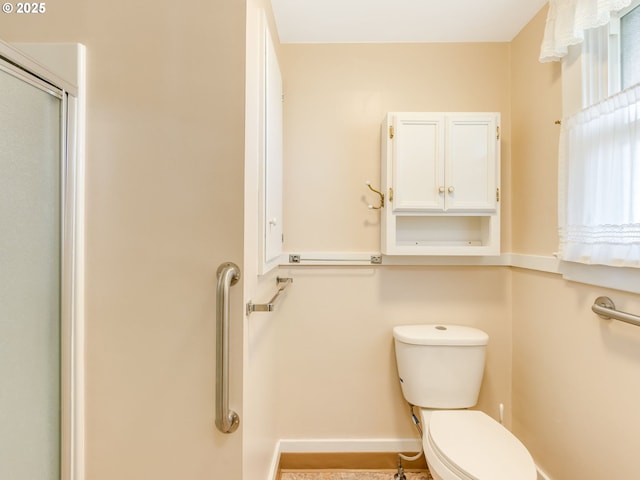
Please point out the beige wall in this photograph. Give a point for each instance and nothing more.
(336, 97)
(165, 150)
(575, 376)
(536, 104)
(575, 379)
(337, 376)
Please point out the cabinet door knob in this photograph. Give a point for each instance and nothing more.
(451, 189)
(441, 190)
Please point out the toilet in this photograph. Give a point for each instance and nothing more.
(440, 368)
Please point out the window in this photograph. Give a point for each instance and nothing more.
(630, 48)
(599, 161)
(624, 48)
(599, 192)
(610, 56)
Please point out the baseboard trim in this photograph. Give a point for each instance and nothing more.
(348, 445)
(346, 454)
(348, 461)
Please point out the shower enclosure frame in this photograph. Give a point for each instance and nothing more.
(70, 86)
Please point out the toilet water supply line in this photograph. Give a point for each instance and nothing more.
(416, 422)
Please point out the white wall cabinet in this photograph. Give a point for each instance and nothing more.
(272, 165)
(441, 175)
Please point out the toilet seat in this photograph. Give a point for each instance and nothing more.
(475, 447)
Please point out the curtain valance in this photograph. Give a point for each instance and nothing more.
(567, 21)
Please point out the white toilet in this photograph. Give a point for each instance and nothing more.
(440, 369)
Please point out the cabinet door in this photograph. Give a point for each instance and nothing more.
(273, 125)
(418, 159)
(471, 159)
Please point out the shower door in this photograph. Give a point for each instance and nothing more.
(30, 271)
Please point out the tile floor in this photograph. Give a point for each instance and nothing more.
(352, 475)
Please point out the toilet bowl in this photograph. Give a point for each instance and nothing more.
(440, 369)
(470, 445)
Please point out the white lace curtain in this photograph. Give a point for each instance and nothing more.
(599, 204)
(567, 21)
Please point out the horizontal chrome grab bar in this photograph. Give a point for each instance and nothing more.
(283, 283)
(374, 259)
(227, 421)
(605, 308)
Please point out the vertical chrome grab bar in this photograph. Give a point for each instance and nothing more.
(227, 421)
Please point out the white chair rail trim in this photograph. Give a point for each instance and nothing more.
(618, 278)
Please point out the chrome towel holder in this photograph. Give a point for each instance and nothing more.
(605, 308)
(282, 283)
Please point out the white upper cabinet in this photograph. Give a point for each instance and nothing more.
(444, 162)
(440, 173)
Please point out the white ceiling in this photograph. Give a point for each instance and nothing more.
(365, 21)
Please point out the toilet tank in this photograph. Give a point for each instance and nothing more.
(440, 366)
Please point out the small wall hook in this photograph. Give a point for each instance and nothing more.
(372, 207)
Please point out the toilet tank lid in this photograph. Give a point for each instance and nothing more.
(440, 335)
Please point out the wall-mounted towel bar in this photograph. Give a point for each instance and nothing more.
(335, 258)
(282, 283)
(605, 308)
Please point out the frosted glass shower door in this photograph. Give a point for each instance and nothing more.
(30, 245)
